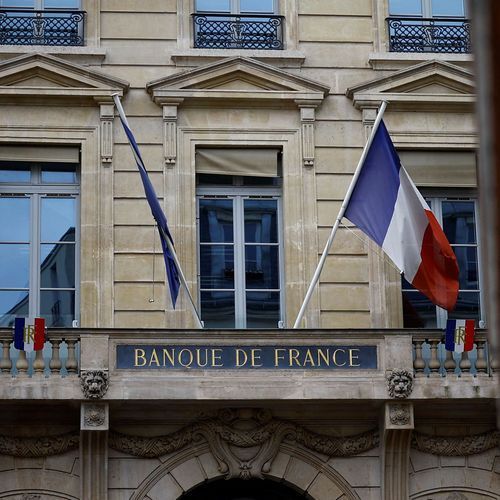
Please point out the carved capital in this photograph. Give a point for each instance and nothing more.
(399, 383)
(107, 115)
(94, 383)
(94, 417)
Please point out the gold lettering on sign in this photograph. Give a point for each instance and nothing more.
(322, 356)
(141, 356)
(198, 358)
(241, 358)
(279, 357)
(255, 357)
(309, 358)
(154, 358)
(334, 357)
(353, 357)
(189, 362)
(168, 354)
(216, 356)
(293, 354)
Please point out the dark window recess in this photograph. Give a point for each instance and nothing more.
(42, 27)
(226, 31)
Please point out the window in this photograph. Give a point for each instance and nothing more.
(39, 241)
(240, 274)
(458, 217)
(41, 22)
(428, 26)
(242, 24)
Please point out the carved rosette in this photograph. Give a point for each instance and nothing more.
(94, 383)
(400, 414)
(399, 383)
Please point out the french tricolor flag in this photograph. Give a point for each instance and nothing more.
(386, 205)
(29, 335)
(459, 335)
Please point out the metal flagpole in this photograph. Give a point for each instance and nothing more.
(342, 210)
(170, 246)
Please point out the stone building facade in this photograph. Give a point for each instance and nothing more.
(251, 117)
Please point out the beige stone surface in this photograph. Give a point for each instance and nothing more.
(136, 296)
(358, 471)
(129, 472)
(345, 55)
(165, 489)
(323, 488)
(133, 7)
(300, 474)
(138, 25)
(334, 29)
(188, 474)
(343, 269)
(332, 186)
(129, 185)
(327, 7)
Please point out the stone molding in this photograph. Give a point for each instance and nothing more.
(459, 446)
(399, 383)
(94, 383)
(232, 433)
(36, 447)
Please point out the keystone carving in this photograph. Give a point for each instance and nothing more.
(36, 447)
(400, 414)
(400, 383)
(243, 442)
(94, 383)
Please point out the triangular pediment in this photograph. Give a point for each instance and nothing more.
(44, 76)
(429, 84)
(236, 78)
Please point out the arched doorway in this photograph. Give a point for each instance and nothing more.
(239, 489)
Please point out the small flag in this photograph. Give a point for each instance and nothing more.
(29, 335)
(459, 335)
(386, 205)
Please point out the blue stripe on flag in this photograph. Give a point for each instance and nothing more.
(161, 220)
(19, 333)
(451, 325)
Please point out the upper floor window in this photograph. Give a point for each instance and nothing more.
(39, 238)
(41, 22)
(429, 26)
(237, 24)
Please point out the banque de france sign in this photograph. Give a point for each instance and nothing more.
(238, 357)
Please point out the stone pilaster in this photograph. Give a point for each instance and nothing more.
(107, 114)
(170, 131)
(396, 430)
(307, 119)
(94, 425)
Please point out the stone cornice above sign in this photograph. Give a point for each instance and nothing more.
(431, 86)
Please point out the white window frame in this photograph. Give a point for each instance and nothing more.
(238, 194)
(36, 191)
(38, 5)
(235, 8)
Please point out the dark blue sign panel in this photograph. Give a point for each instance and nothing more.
(202, 357)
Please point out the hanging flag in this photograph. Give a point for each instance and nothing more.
(386, 205)
(159, 216)
(29, 335)
(459, 335)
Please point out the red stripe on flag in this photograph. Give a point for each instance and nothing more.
(437, 275)
(39, 334)
(469, 335)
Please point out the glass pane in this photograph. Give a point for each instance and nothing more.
(62, 173)
(467, 266)
(261, 221)
(405, 7)
(261, 266)
(263, 309)
(459, 223)
(61, 4)
(214, 180)
(57, 269)
(216, 266)
(12, 305)
(17, 4)
(418, 311)
(265, 6)
(58, 219)
(15, 217)
(213, 5)
(250, 180)
(217, 309)
(448, 8)
(216, 221)
(14, 265)
(57, 307)
(467, 306)
(15, 173)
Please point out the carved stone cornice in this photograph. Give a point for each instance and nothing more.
(231, 433)
(36, 447)
(459, 446)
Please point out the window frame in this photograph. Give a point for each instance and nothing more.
(235, 8)
(239, 193)
(35, 190)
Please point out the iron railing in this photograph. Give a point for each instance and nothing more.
(42, 27)
(221, 31)
(417, 34)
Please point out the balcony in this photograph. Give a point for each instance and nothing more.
(53, 27)
(416, 34)
(220, 31)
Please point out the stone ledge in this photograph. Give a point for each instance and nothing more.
(88, 55)
(398, 60)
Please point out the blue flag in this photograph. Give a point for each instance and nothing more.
(159, 216)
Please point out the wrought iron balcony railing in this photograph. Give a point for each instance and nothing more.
(416, 34)
(221, 31)
(42, 27)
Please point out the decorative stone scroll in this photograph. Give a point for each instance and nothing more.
(399, 383)
(107, 116)
(36, 447)
(231, 435)
(94, 383)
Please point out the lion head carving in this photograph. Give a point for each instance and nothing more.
(400, 383)
(94, 383)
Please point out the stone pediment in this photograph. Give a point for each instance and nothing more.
(429, 85)
(45, 77)
(236, 78)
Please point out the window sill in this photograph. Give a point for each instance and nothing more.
(399, 60)
(74, 54)
(285, 58)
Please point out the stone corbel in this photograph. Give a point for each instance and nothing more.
(307, 118)
(369, 115)
(170, 131)
(107, 114)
